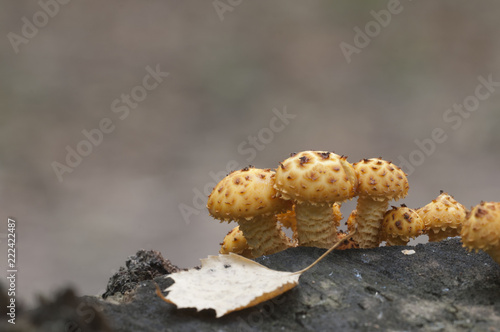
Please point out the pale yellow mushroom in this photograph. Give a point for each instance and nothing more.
(248, 197)
(400, 225)
(443, 217)
(236, 243)
(314, 181)
(481, 229)
(379, 181)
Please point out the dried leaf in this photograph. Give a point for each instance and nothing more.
(228, 283)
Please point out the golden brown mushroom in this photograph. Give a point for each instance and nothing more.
(248, 197)
(236, 243)
(379, 182)
(399, 225)
(481, 229)
(443, 217)
(346, 244)
(314, 180)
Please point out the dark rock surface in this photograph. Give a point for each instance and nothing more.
(144, 265)
(441, 287)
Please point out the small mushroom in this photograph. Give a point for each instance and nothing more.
(379, 181)
(248, 197)
(443, 217)
(481, 229)
(399, 225)
(236, 243)
(346, 244)
(314, 181)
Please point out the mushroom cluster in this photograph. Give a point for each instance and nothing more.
(305, 192)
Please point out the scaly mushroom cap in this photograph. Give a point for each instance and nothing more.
(346, 244)
(380, 179)
(316, 177)
(481, 229)
(444, 214)
(236, 243)
(401, 222)
(245, 194)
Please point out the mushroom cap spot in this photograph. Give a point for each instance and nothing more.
(401, 222)
(443, 213)
(381, 179)
(245, 194)
(318, 177)
(481, 229)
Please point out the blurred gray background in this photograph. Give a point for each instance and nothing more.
(233, 66)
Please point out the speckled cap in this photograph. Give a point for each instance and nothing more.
(402, 222)
(481, 229)
(236, 243)
(317, 177)
(443, 213)
(380, 179)
(245, 194)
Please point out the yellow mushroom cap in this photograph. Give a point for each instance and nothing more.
(481, 229)
(346, 244)
(381, 179)
(236, 243)
(402, 222)
(443, 213)
(245, 194)
(316, 177)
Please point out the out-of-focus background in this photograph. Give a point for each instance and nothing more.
(104, 153)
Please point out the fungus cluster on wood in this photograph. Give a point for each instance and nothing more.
(305, 193)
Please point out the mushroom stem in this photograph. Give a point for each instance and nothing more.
(396, 241)
(495, 254)
(316, 225)
(439, 235)
(263, 235)
(370, 214)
